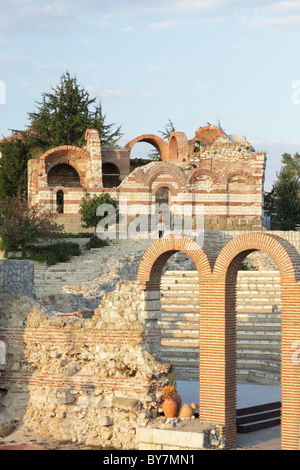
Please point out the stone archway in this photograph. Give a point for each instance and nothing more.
(217, 345)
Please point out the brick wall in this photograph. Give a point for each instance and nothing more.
(217, 331)
(86, 379)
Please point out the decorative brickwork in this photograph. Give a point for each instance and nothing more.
(217, 323)
(221, 175)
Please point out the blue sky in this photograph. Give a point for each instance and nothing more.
(193, 61)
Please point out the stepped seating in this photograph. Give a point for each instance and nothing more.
(258, 325)
(258, 417)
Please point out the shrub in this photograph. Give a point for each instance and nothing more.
(22, 224)
(88, 210)
(52, 254)
(95, 242)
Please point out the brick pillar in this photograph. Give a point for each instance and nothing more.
(217, 357)
(290, 365)
(93, 146)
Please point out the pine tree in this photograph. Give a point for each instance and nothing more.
(63, 116)
(108, 136)
(13, 168)
(286, 192)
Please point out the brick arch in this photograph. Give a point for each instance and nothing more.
(171, 188)
(192, 175)
(217, 324)
(156, 256)
(60, 188)
(165, 168)
(157, 142)
(67, 151)
(209, 133)
(281, 251)
(239, 172)
(178, 147)
(225, 271)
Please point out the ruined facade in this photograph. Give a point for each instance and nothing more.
(221, 174)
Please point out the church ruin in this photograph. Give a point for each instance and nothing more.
(222, 173)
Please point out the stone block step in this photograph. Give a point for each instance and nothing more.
(258, 377)
(259, 364)
(172, 326)
(255, 354)
(258, 335)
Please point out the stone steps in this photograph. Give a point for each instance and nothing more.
(50, 279)
(258, 325)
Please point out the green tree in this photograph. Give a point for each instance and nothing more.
(88, 210)
(13, 168)
(286, 201)
(22, 225)
(63, 116)
(292, 161)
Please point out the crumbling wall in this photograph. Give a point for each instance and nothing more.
(93, 380)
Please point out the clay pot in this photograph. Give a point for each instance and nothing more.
(178, 400)
(186, 411)
(170, 408)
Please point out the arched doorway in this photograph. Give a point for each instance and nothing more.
(217, 325)
(110, 175)
(63, 175)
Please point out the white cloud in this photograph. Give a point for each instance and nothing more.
(285, 21)
(128, 29)
(279, 7)
(86, 40)
(281, 14)
(165, 25)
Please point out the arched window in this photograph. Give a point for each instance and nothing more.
(162, 196)
(110, 175)
(60, 202)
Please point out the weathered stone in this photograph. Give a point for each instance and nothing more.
(65, 397)
(126, 403)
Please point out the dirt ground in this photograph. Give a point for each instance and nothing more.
(23, 439)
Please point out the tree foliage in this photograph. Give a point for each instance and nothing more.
(22, 225)
(64, 114)
(60, 118)
(284, 197)
(88, 210)
(13, 168)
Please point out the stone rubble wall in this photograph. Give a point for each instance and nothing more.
(93, 380)
(85, 376)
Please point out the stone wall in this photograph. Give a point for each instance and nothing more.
(17, 277)
(89, 378)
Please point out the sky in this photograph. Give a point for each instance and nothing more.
(229, 62)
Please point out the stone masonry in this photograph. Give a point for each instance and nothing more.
(97, 369)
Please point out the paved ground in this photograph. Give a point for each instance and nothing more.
(266, 439)
(22, 439)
